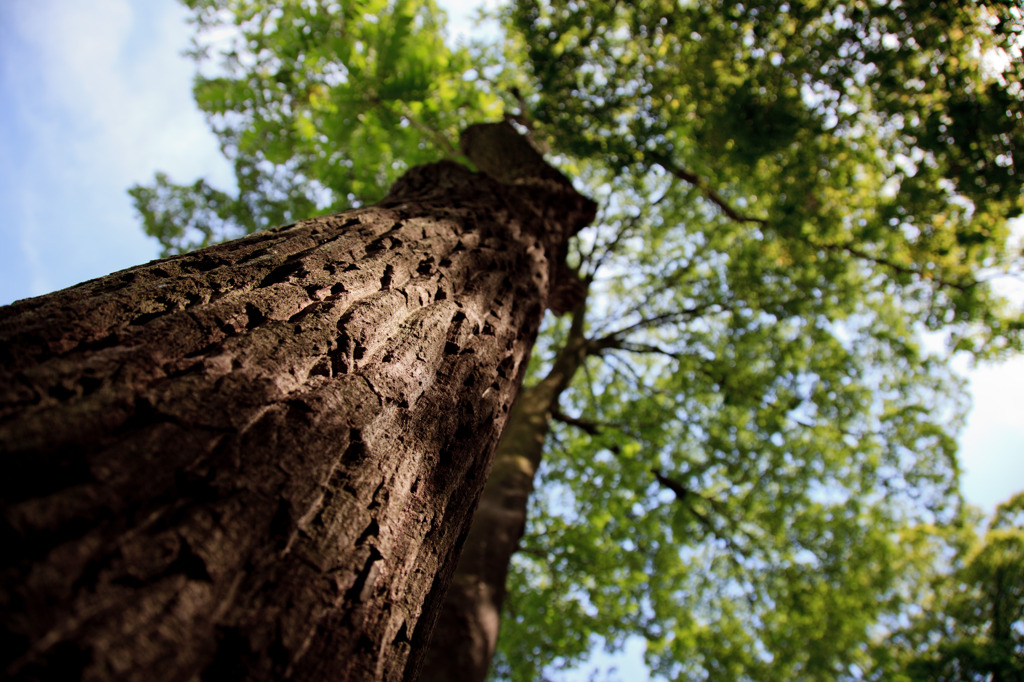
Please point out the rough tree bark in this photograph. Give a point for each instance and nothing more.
(466, 634)
(258, 461)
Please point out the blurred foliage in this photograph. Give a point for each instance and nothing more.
(879, 131)
(792, 194)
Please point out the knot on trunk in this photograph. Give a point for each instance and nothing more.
(500, 151)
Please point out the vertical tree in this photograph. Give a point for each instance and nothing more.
(258, 460)
(791, 192)
(794, 191)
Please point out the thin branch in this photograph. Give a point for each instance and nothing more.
(859, 437)
(614, 339)
(893, 265)
(673, 279)
(591, 395)
(696, 181)
(682, 493)
(625, 227)
(539, 553)
(637, 380)
(589, 427)
(675, 486)
(645, 348)
(709, 192)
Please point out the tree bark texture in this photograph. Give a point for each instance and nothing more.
(464, 640)
(258, 461)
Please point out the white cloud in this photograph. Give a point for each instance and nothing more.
(72, 52)
(115, 68)
(992, 445)
(462, 25)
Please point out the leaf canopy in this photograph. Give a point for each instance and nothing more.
(793, 191)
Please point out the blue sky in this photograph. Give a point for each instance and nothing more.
(95, 96)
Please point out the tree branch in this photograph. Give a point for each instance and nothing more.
(682, 493)
(614, 339)
(675, 486)
(894, 266)
(709, 192)
(625, 227)
(646, 348)
(592, 428)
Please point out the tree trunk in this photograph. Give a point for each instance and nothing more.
(466, 634)
(258, 461)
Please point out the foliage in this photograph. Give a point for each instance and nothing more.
(758, 450)
(770, 424)
(791, 192)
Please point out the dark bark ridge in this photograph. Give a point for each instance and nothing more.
(464, 641)
(259, 460)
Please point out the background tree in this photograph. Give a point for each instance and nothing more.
(791, 193)
(970, 623)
